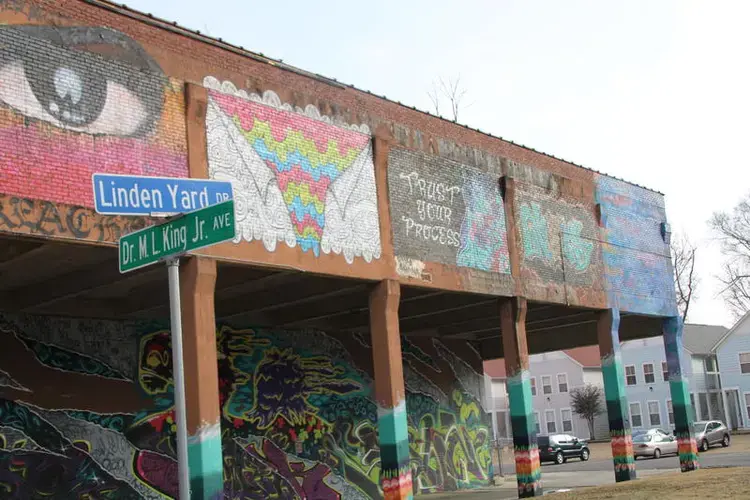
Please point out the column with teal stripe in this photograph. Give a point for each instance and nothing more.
(515, 352)
(621, 439)
(678, 386)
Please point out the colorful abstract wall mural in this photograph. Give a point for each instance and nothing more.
(298, 178)
(75, 100)
(86, 408)
(559, 240)
(637, 265)
(443, 211)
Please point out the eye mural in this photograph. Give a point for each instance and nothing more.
(75, 100)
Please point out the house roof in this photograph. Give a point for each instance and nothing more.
(588, 356)
(730, 331)
(495, 368)
(701, 339)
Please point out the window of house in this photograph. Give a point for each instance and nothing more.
(562, 382)
(670, 412)
(745, 362)
(567, 420)
(703, 404)
(630, 375)
(664, 371)
(648, 373)
(533, 386)
(536, 422)
(692, 405)
(747, 404)
(635, 415)
(710, 364)
(654, 415)
(549, 417)
(547, 384)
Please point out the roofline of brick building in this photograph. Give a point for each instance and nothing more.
(172, 26)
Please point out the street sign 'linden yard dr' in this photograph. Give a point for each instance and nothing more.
(145, 195)
(207, 226)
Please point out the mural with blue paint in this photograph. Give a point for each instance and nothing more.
(637, 265)
(446, 212)
(559, 242)
(483, 231)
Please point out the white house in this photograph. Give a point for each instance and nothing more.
(553, 375)
(733, 359)
(645, 366)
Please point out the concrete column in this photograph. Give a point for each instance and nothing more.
(197, 282)
(393, 435)
(608, 332)
(678, 386)
(516, 354)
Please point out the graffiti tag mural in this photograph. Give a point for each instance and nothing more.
(298, 418)
(446, 212)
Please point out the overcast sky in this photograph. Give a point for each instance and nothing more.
(655, 92)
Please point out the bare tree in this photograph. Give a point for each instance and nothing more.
(450, 90)
(587, 402)
(733, 230)
(685, 279)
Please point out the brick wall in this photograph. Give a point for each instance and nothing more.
(91, 87)
(637, 264)
(446, 212)
(83, 99)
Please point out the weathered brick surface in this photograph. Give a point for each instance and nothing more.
(120, 76)
(79, 100)
(446, 212)
(637, 265)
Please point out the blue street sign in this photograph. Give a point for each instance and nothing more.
(141, 195)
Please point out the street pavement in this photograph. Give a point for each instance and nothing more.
(576, 474)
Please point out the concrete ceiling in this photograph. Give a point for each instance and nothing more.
(44, 277)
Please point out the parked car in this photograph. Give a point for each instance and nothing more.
(654, 443)
(710, 432)
(559, 448)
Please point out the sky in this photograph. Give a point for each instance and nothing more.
(657, 93)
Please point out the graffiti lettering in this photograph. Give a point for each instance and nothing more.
(430, 190)
(438, 234)
(43, 218)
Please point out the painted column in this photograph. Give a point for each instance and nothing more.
(516, 353)
(393, 435)
(621, 438)
(678, 386)
(197, 282)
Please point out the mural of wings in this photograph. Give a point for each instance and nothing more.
(297, 178)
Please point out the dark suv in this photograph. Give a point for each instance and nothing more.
(559, 448)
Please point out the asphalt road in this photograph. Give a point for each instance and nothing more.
(576, 474)
(707, 459)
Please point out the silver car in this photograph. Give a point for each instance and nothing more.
(710, 432)
(654, 443)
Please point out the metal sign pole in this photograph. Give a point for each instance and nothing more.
(173, 266)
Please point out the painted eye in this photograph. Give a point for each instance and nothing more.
(78, 90)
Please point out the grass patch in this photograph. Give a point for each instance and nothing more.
(730, 482)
